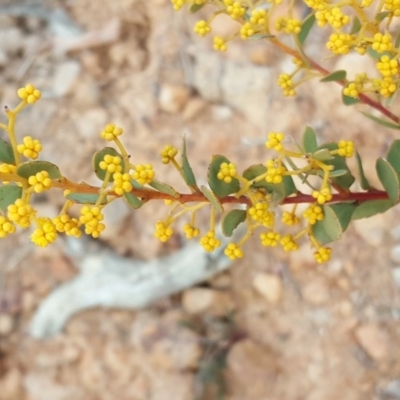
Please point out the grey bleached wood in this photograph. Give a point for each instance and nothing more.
(108, 280)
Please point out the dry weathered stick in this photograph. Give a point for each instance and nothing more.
(107, 280)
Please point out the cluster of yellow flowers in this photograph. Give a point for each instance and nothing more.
(259, 212)
(365, 27)
(260, 187)
(360, 26)
(119, 177)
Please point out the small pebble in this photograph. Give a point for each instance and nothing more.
(269, 286)
(6, 324)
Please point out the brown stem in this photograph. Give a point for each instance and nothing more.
(359, 197)
(363, 98)
(149, 194)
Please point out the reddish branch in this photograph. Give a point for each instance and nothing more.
(149, 194)
(363, 98)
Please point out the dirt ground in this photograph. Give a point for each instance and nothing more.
(289, 330)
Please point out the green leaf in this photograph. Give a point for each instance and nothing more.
(390, 100)
(338, 172)
(188, 175)
(310, 140)
(163, 188)
(85, 198)
(132, 200)
(393, 155)
(389, 179)
(98, 158)
(322, 155)
(339, 163)
(27, 169)
(256, 170)
(375, 55)
(210, 196)
(136, 184)
(335, 76)
(382, 15)
(356, 26)
(196, 7)
(349, 101)
(336, 220)
(259, 36)
(8, 195)
(372, 207)
(306, 28)
(288, 185)
(363, 180)
(6, 153)
(280, 190)
(380, 121)
(220, 188)
(302, 176)
(232, 220)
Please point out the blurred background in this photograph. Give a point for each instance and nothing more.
(274, 326)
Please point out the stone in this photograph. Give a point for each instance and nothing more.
(352, 63)
(65, 77)
(12, 40)
(71, 353)
(6, 324)
(207, 301)
(334, 268)
(346, 308)
(395, 232)
(226, 27)
(118, 53)
(396, 276)
(344, 283)
(395, 254)
(6, 21)
(221, 281)
(373, 340)
(221, 113)
(269, 286)
(173, 98)
(193, 108)
(241, 86)
(316, 292)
